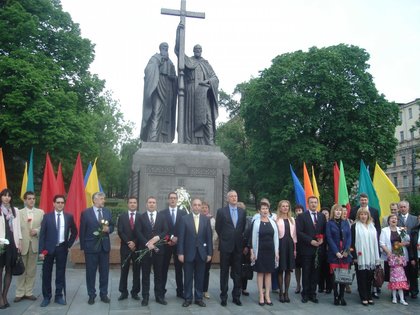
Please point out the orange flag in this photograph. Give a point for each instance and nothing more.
(307, 184)
(3, 180)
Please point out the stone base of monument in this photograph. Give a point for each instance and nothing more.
(77, 257)
(159, 168)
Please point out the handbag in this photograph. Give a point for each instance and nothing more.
(378, 277)
(247, 272)
(343, 276)
(18, 268)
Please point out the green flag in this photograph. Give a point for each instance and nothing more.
(30, 185)
(366, 186)
(343, 195)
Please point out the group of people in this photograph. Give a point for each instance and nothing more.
(281, 243)
(276, 244)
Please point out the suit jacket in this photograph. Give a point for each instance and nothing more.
(26, 227)
(147, 232)
(374, 214)
(306, 232)
(48, 234)
(189, 241)
(173, 228)
(90, 224)
(230, 238)
(333, 238)
(125, 232)
(414, 237)
(410, 223)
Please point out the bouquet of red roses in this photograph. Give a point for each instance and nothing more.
(318, 237)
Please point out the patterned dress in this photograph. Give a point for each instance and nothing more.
(397, 279)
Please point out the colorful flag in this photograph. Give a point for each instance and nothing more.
(76, 198)
(366, 186)
(23, 188)
(385, 189)
(92, 185)
(343, 194)
(30, 186)
(307, 184)
(3, 179)
(49, 187)
(89, 169)
(299, 192)
(315, 188)
(336, 172)
(60, 180)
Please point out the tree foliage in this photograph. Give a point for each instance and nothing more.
(48, 98)
(316, 107)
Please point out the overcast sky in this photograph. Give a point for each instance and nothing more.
(241, 37)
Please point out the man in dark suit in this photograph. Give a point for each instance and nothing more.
(195, 248)
(128, 231)
(58, 233)
(96, 247)
(173, 216)
(153, 228)
(309, 226)
(230, 226)
(409, 221)
(374, 213)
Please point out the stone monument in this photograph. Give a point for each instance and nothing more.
(193, 163)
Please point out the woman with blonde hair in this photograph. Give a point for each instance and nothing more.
(287, 247)
(365, 253)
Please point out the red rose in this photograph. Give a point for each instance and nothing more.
(44, 252)
(167, 238)
(359, 253)
(29, 219)
(319, 236)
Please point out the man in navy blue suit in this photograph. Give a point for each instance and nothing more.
(195, 248)
(58, 233)
(173, 217)
(96, 247)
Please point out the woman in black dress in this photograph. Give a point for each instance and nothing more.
(264, 248)
(9, 233)
(287, 247)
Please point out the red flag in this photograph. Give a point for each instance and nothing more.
(60, 181)
(76, 198)
(307, 185)
(336, 171)
(49, 187)
(3, 180)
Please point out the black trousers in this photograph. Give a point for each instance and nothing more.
(364, 283)
(310, 276)
(157, 261)
(325, 277)
(170, 252)
(194, 270)
(126, 259)
(230, 261)
(60, 257)
(207, 277)
(97, 261)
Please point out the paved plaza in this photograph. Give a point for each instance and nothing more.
(77, 301)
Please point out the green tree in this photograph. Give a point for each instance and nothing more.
(316, 107)
(48, 98)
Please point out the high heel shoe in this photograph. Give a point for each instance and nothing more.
(286, 297)
(261, 303)
(281, 297)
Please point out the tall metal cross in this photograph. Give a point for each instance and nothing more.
(182, 13)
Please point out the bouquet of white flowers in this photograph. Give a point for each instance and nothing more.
(184, 199)
(3, 243)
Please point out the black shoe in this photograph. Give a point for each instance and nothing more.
(223, 303)
(60, 300)
(161, 301)
(281, 298)
(135, 297)
(44, 303)
(336, 301)
(200, 303)
(375, 295)
(186, 304)
(123, 296)
(304, 300)
(237, 302)
(269, 303)
(91, 300)
(371, 302)
(180, 295)
(105, 299)
(343, 302)
(261, 304)
(145, 302)
(245, 293)
(314, 300)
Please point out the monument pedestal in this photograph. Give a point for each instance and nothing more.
(159, 168)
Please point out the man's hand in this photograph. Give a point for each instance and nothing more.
(245, 251)
(208, 258)
(41, 257)
(33, 232)
(150, 246)
(174, 240)
(339, 255)
(181, 258)
(105, 229)
(315, 243)
(131, 245)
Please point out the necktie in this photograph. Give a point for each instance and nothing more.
(315, 218)
(132, 220)
(100, 217)
(234, 217)
(58, 228)
(196, 222)
(152, 221)
(173, 216)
